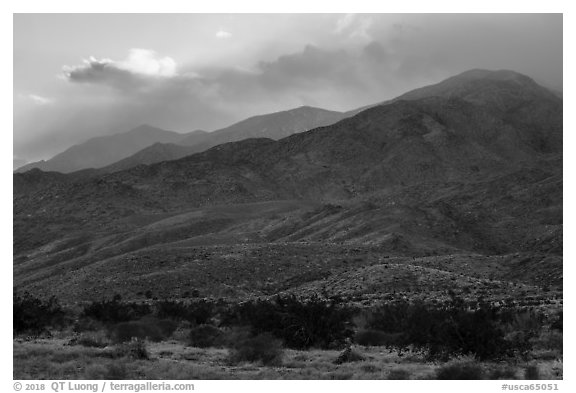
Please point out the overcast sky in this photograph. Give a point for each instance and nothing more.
(82, 75)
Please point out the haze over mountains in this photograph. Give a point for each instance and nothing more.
(147, 145)
(472, 165)
(105, 150)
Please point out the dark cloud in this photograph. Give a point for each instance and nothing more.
(104, 72)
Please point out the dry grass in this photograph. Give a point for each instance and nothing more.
(56, 359)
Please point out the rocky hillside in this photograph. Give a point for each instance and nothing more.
(449, 169)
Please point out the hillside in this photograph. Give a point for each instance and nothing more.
(453, 171)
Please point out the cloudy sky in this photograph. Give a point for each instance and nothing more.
(82, 75)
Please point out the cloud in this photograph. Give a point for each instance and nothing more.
(223, 34)
(39, 100)
(147, 62)
(355, 26)
(342, 62)
(139, 66)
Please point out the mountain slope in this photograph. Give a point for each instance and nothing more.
(440, 174)
(105, 150)
(157, 152)
(274, 126)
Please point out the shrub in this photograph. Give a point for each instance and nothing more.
(197, 312)
(262, 348)
(503, 373)
(558, 324)
(462, 371)
(111, 371)
(532, 372)
(34, 316)
(165, 326)
(450, 329)
(126, 331)
(85, 324)
(347, 356)
(398, 373)
(371, 337)
(135, 349)
(300, 324)
(114, 311)
(369, 368)
(205, 336)
(91, 340)
(552, 340)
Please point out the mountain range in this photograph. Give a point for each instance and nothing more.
(470, 166)
(146, 144)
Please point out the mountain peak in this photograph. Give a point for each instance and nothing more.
(485, 87)
(145, 128)
(496, 75)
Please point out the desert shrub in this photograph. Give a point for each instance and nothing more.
(91, 340)
(264, 348)
(532, 372)
(552, 340)
(503, 373)
(166, 326)
(449, 329)
(557, 323)
(205, 336)
(114, 311)
(116, 370)
(33, 315)
(462, 371)
(520, 343)
(370, 368)
(348, 355)
(398, 373)
(144, 329)
(84, 324)
(300, 324)
(521, 320)
(135, 349)
(198, 312)
(370, 337)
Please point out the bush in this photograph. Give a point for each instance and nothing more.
(135, 349)
(91, 340)
(551, 340)
(370, 368)
(85, 324)
(166, 326)
(126, 331)
(503, 373)
(462, 371)
(111, 371)
(300, 324)
(198, 312)
(347, 356)
(532, 372)
(370, 338)
(34, 316)
(205, 336)
(114, 311)
(399, 374)
(558, 323)
(446, 330)
(262, 348)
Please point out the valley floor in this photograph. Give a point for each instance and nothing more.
(56, 358)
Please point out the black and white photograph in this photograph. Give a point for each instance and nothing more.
(287, 196)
